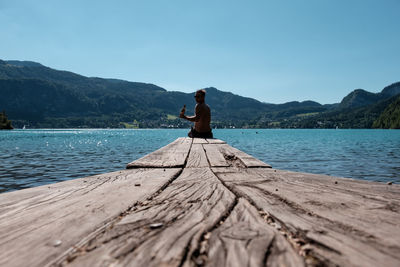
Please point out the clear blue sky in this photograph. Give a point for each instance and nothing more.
(274, 51)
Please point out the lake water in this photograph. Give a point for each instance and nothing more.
(31, 158)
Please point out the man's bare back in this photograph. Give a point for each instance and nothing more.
(201, 118)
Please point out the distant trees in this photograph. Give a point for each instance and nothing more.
(5, 124)
(390, 117)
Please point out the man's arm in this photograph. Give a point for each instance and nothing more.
(194, 118)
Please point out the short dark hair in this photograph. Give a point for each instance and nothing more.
(202, 92)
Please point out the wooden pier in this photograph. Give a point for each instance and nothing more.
(201, 202)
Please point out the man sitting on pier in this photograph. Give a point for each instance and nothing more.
(201, 118)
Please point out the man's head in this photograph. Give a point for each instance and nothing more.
(200, 95)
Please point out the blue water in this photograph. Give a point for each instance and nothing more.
(36, 157)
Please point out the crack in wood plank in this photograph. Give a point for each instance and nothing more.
(183, 219)
(321, 237)
(71, 253)
(169, 196)
(296, 240)
(337, 225)
(40, 229)
(200, 254)
(201, 257)
(244, 238)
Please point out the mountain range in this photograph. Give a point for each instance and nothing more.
(38, 96)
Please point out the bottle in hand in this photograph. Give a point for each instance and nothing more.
(183, 110)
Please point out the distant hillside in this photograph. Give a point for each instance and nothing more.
(361, 98)
(361, 114)
(39, 96)
(390, 117)
(358, 98)
(361, 117)
(391, 90)
(23, 63)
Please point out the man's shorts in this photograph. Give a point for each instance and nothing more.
(195, 134)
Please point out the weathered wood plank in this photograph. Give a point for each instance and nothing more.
(164, 231)
(215, 141)
(245, 239)
(214, 155)
(200, 141)
(197, 157)
(37, 225)
(207, 141)
(170, 156)
(248, 161)
(348, 223)
(223, 155)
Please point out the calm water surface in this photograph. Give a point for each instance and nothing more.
(36, 157)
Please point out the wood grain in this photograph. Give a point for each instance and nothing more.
(197, 157)
(214, 155)
(200, 141)
(245, 239)
(223, 155)
(342, 221)
(37, 225)
(164, 231)
(207, 141)
(172, 155)
(246, 159)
